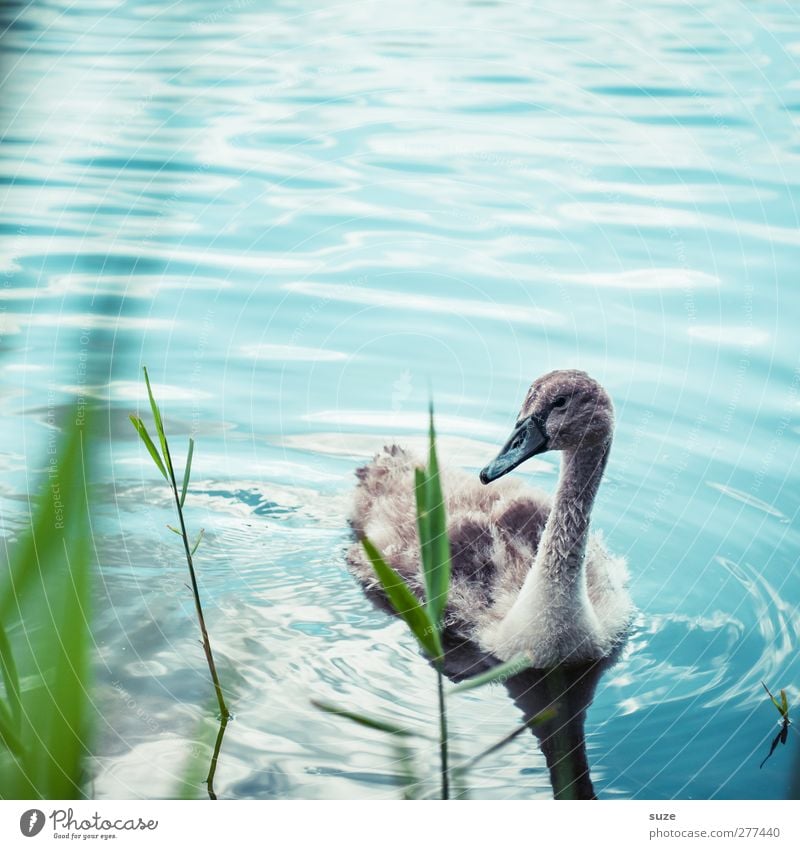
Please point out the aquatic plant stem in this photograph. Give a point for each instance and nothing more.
(443, 745)
(212, 769)
(223, 708)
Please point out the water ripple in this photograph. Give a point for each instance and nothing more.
(298, 235)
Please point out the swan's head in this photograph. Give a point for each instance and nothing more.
(563, 410)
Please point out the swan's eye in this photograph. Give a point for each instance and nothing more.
(561, 401)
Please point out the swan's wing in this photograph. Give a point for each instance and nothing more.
(384, 510)
(522, 518)
(494, 533)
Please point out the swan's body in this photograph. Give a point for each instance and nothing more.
(527, 577)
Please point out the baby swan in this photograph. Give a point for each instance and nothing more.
(527, 576)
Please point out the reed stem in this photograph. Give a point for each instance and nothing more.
(443, 743)
(223, 708)
(212, 769)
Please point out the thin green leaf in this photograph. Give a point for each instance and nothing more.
(68, 737)
(197, 541)
(7, 735)
(54, 603)
(423, 525)
(773, 699)
(175, 530)
(405, 603)
(363, 719)
(408, 778)
(21, 573)
(179, 501)
(187, 471)
(10, 677)
(437, 568)
(784, 703)
(501, 672)
(162, 436)
(421, 496)
(145, 437)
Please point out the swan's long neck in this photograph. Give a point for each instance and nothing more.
(559, 559)
(551, 619)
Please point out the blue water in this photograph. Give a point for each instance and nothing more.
(300, 217)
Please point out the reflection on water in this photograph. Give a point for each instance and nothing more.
(301, 219)
(782, 706)
(781, 737)
(553, 703)
(569, 692)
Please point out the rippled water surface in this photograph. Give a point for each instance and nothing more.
(300, 216)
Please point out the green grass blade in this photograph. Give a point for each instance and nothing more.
(20, 575)
(197, 541)
(773, 699)
(437, 573)
(50, 595)
(23, 568)
(7, 735)
(423, 524)
(145, 437)
(363, 719)
(501, 672)
(784, 703)
(170, 476)
(67, 731)
(162, 436)
(407, 773)
(405, 603)
(10, 678)
(187, 471)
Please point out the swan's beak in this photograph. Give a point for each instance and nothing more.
(528, 440)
